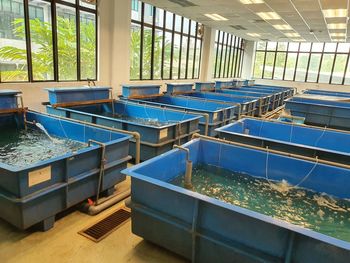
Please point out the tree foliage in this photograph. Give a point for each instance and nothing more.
(42, 51)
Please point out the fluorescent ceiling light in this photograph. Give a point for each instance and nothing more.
(268, 15)
(292, 34)
(337, 34)
(337, 26)
(253, 34)
(330, 13)
(338, 40)
(250, 2)
(282, 27)
(298, 39)
(216, 17)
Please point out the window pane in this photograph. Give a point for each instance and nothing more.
(343, 47)
(186, 25)
(314, 67)
(290, 68)
(167, 55)
(148, 14)
(178, 23)
(88, 5)
(176, 55)
(282, 46)
(67, 42)
(293, 46)
(198, 58)
(136, 10)
(270, 58)
(158, 42)
(261, 46)
(339, 69)
(87, 45)
(279, 67)
(190, 59)
(183, 57)
(330, 47)
(169, 20)
(13, 52)
(259, 64)
(301, 67)
(305, 47)
(147, 53)
(159, 17)
(317, 47)
(135, 44)
(326, 68)
(271, 46)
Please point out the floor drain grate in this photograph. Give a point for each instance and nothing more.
(106, 226)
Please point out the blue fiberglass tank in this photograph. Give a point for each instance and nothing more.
(202, 228)
(327, 93)
(326, 113)
(159, 128)
(219, 113)
(264, 100)
(326, 144)
(248, 106)
(38, 180)
(278, 96)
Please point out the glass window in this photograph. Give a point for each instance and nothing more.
(293, 46)
(88, 45)
(303, 60)
(314, 66)
(135, 5)
(228, 55)
(184, 57)
(326, 68)
(135, 44)
(317, 47)
(13, 51)
(279, 67)
(158, 43)
(305, 47)
(271, 46)
(88, 5)
(173, 52)
(330, 47)
(259, 64)
(66, 42)
(167, 55)
(197, 58)
(147, 52)
(339, 68)
(343, 47)
(347, 75)
(306, 62)
(290, 67)
(282, 46)
(261, 46)
(269, 61)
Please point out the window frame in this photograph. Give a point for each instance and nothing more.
(228, 63)
(53, 14)
(182, 68)
(299, 53)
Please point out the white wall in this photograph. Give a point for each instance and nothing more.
(248, 59)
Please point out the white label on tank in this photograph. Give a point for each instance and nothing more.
(163, 134)
(215, 116)
(39, 176)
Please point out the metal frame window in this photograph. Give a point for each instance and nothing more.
(229, 54)
(303, 62)
(48, 40)
(163, 45)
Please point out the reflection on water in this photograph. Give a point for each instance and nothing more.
(21, 148)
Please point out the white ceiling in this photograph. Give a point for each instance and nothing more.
(301, 15)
